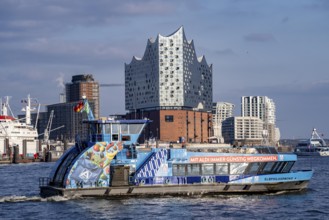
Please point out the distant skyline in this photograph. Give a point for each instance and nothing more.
(274, 48)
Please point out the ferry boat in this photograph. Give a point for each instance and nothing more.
(15, 134)
(109, 164)
(315, 146)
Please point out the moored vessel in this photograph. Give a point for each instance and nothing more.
(18, 139)
(108, 164)
(315, 146)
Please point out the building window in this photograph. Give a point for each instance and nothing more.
(169, 118)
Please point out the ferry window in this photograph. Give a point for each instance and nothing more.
(107, 128)
(193, 169)
(275, 166)
(287, 167)
(207, 169)
(115, 137)
(98, 129)
(221, 168)
(254, 167)
(135, 128)
(268, 167)
(238, 168)
(278, 167)
(93, 128)
(124, 129)
(178, 169)
(169, 118)
(125, 138)
(115, 128)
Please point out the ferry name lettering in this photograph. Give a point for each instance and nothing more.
(232, 159)
(277, 178)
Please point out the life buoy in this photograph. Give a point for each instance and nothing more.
(210, 180)
(167, 181)
(204, 179)
(142, 182)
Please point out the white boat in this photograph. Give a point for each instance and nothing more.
(315, 146)
(16, 133)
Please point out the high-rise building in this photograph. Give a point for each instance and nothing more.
(171, 86)
(263, 108)
(169, 76)
(220, 112)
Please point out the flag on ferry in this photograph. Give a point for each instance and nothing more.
(79, 107)
(83, 106)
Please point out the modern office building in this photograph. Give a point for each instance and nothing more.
(169, 76)
(263, 108)
(243, 130)
(220, 112)
(172, 86)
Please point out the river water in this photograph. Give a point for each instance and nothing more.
(19, 199)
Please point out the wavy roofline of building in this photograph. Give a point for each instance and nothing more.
(150, 41)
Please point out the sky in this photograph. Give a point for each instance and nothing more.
(274, 48)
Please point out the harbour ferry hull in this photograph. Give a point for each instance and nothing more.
(299, 184)
(108, 163)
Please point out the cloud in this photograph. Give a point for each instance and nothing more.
(319, 5)
(48, 51)
(148, 7)
(225, 52)
(285, 19)
(259, 37)
(60, 81)
(20, 20)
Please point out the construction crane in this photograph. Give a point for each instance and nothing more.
(48, 128)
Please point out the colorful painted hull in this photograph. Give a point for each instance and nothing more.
(113, 166)
(280, 183)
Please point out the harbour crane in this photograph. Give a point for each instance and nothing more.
(112, 85)
(48, 128)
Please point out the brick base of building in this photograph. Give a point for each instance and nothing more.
(176, 125)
